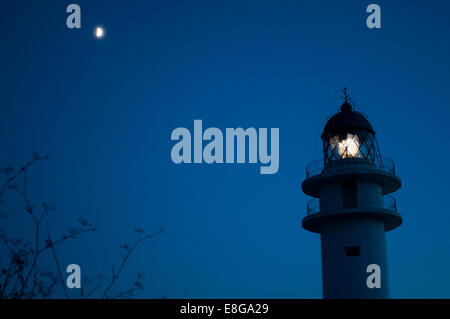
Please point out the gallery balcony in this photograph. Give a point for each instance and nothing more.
(382, 171)
(384, 208)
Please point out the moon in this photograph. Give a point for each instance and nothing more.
(99, 32)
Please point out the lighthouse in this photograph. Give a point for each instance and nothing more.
(351, 207)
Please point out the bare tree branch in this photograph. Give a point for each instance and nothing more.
(128, 250)
(20, 277)
(58, 268)
(137, 285)
(7, 171)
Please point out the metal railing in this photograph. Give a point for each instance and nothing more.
(387, 202)
(314, 168)
(383, 163)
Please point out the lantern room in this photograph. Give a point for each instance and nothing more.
(349, 135)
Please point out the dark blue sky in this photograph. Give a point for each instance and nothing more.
(105, 109)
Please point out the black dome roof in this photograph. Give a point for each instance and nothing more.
(347, 119)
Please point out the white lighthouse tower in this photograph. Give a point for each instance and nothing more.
(351, 208)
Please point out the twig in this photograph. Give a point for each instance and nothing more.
(130, 291)
(57, 263)
(129, 250)
(99, 283)
(35, 159)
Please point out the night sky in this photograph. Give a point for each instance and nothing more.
(104, 110)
